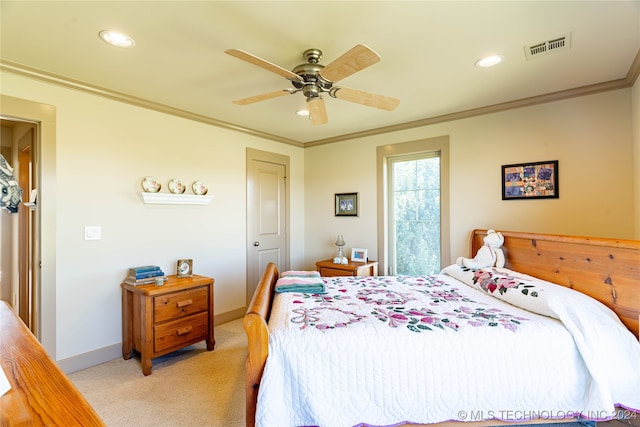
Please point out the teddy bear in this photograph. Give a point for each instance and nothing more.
(488, 255)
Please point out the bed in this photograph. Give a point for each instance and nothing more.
(463, 311)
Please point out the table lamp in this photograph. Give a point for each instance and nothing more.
(340, 258)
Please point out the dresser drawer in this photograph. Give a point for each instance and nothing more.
(180, 304)
(327, 272)
(181, 332)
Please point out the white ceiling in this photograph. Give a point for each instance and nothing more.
(428, 51)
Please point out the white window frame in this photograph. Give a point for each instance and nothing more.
(391, 208)
(384, 153)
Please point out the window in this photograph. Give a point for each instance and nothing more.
(413, 206)
(414, 214)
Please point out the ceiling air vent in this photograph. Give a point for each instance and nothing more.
(546, 47)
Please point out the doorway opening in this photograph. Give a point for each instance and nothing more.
(43, 117)
(19, 232)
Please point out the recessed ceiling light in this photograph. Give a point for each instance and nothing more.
(489, 61)
(303, 113)
(117, 39)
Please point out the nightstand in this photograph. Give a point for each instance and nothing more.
(157, 320)
(328, 268)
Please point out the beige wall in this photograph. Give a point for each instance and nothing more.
(590, 136)
(104, 149)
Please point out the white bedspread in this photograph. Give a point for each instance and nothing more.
(386, 350)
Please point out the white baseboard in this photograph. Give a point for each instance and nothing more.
(105, 354)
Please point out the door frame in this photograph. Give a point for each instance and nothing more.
(28, 239)
(279, 159)
(44, 116)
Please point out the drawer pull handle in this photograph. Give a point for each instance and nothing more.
(185, 330)
(185, 303)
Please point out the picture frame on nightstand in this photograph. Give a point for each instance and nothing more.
(358, 255)
(184, 268)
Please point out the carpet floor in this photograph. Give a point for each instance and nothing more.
(189, 387)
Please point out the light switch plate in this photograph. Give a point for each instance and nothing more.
(92, 232)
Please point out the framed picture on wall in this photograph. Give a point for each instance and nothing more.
(536, 180)
(346, 204)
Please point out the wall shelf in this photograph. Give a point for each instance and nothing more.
(174, 199)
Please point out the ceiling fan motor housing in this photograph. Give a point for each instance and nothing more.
(313, 83)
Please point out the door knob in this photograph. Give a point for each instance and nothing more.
(256, 243)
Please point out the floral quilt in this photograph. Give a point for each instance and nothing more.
(419, 304)
(386, 350)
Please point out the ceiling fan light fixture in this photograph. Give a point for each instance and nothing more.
(303, 113)
(117, 39)
(311, 91)
(489, 61)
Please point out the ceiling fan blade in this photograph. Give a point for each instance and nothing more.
(317, 111)
(263, 97)
(252, 59)
(365, 98)
(356, 59)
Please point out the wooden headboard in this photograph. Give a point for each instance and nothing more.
(605, 269)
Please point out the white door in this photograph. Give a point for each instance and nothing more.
(267, 218)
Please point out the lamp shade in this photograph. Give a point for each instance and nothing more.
(340, 240)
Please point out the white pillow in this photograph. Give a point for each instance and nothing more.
(515, 288)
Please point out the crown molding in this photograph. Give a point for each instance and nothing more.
(634, 70)
(44, 76)
(628, 81)
(489, 109)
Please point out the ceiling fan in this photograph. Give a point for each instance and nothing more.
(313, 79)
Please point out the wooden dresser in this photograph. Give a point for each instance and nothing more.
(40, 394)
(327, 268)
(157, 320)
